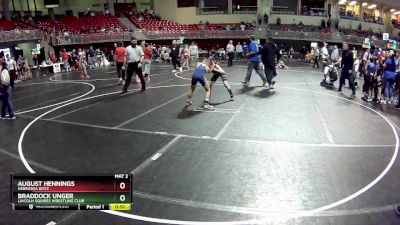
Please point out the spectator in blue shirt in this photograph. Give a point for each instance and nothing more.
(389, 76)
(398, 77)
(253, 62)
(245, 48)
(368, 80)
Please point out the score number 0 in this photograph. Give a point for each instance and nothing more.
(122, 187)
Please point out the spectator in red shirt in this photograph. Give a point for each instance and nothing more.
(120, 58)
(65, 57)
(147, 60)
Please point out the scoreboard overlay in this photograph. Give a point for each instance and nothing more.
(71, 191)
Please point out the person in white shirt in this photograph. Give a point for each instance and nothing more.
(194, 54)
(239, 50)
(230, 51)
(12, 70)
(222, 54)
(357, 67)
(134, 56)
(365, 60)
(324, 54)
(335, 54)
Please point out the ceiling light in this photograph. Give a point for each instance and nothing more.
(372, 6)
(342, 2)
(392, 10)
(364, 4)
(353, 3)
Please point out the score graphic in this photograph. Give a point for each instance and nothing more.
(71, 192)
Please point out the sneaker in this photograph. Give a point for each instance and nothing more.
(124, 92)
(147, 79)
(364, 98)
(245, 84)
(340, 90)
(3, 118)
(12, 118)
(174, 71)
(369, 99)
(383, 102)
(208, 106)
(188, 103)
(232, 99)
(264, 83)
(352, 96)
(271, 86)
(120, 81)
(273, 82)
(180, 69)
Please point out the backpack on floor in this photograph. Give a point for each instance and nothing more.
(5, 78)
(333, 74)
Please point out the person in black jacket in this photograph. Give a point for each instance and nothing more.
(347, 66)
(268, 53)
(174, 54)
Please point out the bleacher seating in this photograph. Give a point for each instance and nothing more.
(149, 22)
(7, 25)
(74, 24)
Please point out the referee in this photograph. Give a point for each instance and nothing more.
(134, 57)
(347, 70)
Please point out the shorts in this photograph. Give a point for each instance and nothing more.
(201, 80)
(217, 75)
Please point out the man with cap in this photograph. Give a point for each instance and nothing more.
(253, 62)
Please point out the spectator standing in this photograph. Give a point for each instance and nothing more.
(324, 55)
(230, 51)
(239, 50)
(245, 48)
(174, 54)
(265, 18)
(194, 54)
(335, 54)
(315, 55)
(186, 57)
(12, 70)
(355, 53)
(5, 91)
(120, 58)
(91, 55)
(328, 23)
(303, 52)
(147, 60)
(389, 76)
(65, 57)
